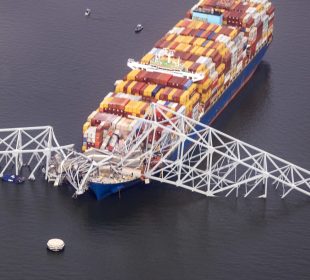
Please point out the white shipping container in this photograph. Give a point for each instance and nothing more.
(211, 68)
(214, 76)
(105, 142)
(227, 78)
(239, 66)
(256, 18)
(114, 123)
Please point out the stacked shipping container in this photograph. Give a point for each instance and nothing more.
(218, 39)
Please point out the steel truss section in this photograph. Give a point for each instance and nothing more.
(29, 146)
(202, 159)
(77, 169)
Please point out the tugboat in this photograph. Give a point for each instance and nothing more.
(87, 12)
(11, 178)
(139, 28)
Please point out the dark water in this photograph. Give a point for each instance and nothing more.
(56, 66)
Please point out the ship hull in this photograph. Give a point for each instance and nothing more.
(103, 190)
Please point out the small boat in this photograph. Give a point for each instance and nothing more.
(87, 12)
(139, 28)
(10, 178)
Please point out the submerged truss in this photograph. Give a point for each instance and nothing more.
(33, 147)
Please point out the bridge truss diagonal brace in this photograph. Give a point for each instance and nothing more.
(34, 147)
(207, 161)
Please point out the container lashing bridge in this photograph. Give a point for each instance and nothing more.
(188, 154)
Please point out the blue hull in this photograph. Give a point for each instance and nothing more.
(103, 190)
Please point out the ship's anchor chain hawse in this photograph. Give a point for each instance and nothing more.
(188, 154)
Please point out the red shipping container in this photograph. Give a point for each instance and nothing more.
(177, 82)
(193, 67)
(259, 31)
(271, 10)
(186, 31)
(141, 75)
(163, 79)
(136, 89)
(250, 23)
(205, 34)
(177, 95)
(186, 56)
(217, 60)
(164, 95)
(158, 43)
(193, 32)
(173, 46)
(142, 89)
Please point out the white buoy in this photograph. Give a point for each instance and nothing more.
(55, 245)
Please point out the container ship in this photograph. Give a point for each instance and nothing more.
(195, 69)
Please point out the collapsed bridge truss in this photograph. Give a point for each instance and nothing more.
(170, 147)
(204, 160)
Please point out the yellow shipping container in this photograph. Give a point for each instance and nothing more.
(192, 88)
(130, 107)
(210, 52)
(200, 51)
(201, 68)
(195, 98)
(170, 37)
(136, 108)
(178, 39)
(105, 102)
(184, 97)
(188, 64)
(139, 107)
(199, 41)
(120, 86)
(171, 94)
(132, 84)
(233, 34)
(220, 69)
(206, 84)
(218, 30)
(188, 39)
(220, 47)
(193, 49)
(132, 74)
(179, 24)
(158, 94)
(192, 24)
(148, 90)
(221, 80)
(206, 96)
(210, 27)
(86, 126)
(187, 48)
(181, 47)
(147, 58)
(208, 45)
(259, 7)
(198, 24)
